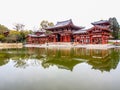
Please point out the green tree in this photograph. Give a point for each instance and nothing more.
(2, 38)
(44, 24)
(22, 36)
(114, 27)
(18, 26)
(13, 36)
(17, 36)
(3, 29)
(3, 32)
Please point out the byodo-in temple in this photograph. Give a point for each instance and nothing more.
(66, 31)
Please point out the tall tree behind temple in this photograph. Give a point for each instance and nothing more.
(19, 26)
(45, 24)
(119, 32)
(114, 27)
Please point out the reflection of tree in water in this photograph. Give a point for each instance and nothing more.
(4, 58)
(103, 60)
(115, 57)
(20, 57)
(62, 58)
(25, 57)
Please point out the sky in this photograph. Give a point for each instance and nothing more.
(32, 12)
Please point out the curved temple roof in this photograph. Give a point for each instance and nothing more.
(34, 35)
(101, 22)
(64, 24)
(80, 31)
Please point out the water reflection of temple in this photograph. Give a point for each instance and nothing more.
(103, 60)
(91, 54)
(62, 58)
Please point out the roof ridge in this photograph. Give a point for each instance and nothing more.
(100, 22)
(65, 21)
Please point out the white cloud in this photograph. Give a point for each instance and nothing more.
(32, 12)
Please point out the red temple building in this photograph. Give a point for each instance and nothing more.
(66, 31)
(38, 37)
(63, 31)
(98, 34)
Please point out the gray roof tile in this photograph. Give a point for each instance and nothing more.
(80, 31)
(64, 23)
(100, 22)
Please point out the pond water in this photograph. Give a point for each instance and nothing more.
(59, 69)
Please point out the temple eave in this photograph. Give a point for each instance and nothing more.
(67, 26)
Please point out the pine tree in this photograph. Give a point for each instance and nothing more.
(114, 27)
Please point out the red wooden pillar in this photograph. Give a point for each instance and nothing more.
(61, 38)
(85, 39)
(68, 38)
(54, 39)
(75, 38)
(106, 39)
(80, 39)
(65, 39)
(90, 39)
(102, 40)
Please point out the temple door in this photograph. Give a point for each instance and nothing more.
(58, 37)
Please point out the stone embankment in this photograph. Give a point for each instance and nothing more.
(96, 46)
(70, 45)
(10, 45)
